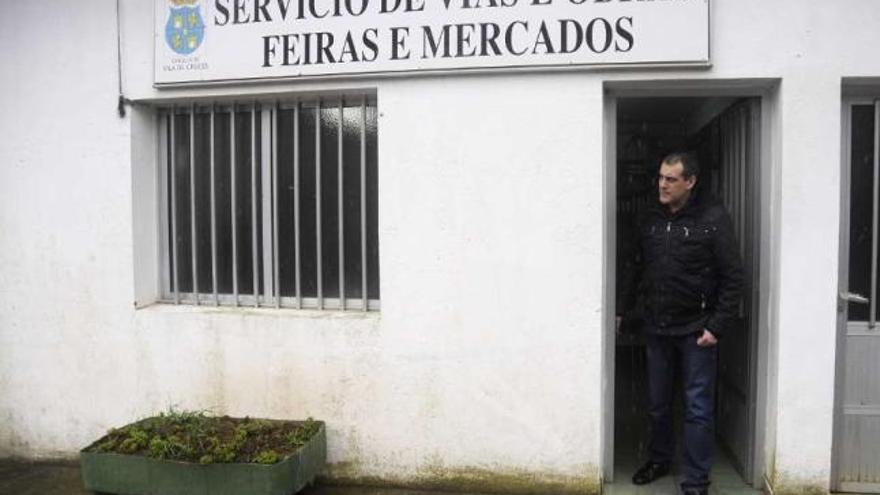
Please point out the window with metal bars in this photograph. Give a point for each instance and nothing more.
(270, 204)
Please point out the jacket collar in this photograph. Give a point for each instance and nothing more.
(695, 202)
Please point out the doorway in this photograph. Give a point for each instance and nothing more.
(725, 132)
(856, 466)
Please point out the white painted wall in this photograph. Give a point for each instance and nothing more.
(486, 354)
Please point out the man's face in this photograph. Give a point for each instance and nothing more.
(674, 189)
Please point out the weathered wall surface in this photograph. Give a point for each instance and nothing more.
(482, 366)
(484, 363)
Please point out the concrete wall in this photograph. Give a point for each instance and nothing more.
(484, 364)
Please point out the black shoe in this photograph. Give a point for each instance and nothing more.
(650, 472)
(695, 491)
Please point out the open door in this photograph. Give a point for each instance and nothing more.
(738, 148)
(857, 398)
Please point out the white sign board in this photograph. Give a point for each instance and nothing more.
(232, 40)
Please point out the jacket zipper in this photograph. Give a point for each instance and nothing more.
(668, 230)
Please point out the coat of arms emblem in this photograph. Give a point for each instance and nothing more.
(185, 29)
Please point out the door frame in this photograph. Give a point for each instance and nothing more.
(843, 281)
(847, 103)
(763, 347)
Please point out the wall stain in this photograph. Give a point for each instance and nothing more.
(471, 479)
(785, 484)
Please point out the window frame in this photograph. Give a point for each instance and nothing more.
(268, 294)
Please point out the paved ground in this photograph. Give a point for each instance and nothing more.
(19, 478)
(40, 478)
(725, 481)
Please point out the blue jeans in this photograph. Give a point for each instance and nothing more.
(698, 366)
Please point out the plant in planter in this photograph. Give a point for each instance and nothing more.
(189, 452)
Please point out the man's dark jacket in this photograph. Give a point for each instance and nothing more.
(688, 270)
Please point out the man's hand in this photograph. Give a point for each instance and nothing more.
(707, 339)
(617, 321)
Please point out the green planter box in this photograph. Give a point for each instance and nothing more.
(138, 475)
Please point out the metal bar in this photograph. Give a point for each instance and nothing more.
(860, 329)
(872, 317)
(192, 202)
(743, 174)
(254, 258)
(176, 261)
(723, 172)
(233, 204)
(742, 204)
(296, 235)
(276, 262)
(734, 172)
(213, 212)
(333, 303)
(318, 203)
(266, 189)
(340, 195)
(731, 164)
(364, 202)
(731, 172)
(734, 178)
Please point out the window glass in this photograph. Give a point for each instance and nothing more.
(861, 200)
(183, 237)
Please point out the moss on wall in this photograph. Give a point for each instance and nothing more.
(473, 479)
(782, 483)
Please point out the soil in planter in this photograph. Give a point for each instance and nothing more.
(196, 437)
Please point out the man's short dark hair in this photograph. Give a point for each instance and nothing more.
(688, 161)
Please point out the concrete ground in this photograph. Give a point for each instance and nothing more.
(45, 478)
(725, 481)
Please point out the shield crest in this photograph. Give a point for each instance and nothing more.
(184, 30)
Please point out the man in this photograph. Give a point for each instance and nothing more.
(687, 264)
